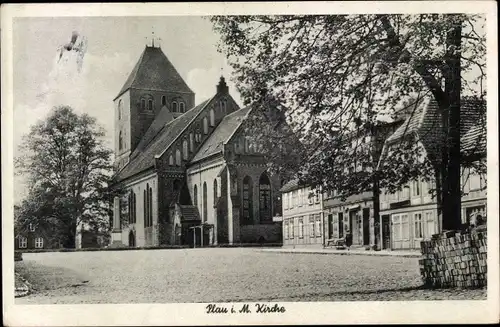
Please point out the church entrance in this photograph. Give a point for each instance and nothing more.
(131, 239)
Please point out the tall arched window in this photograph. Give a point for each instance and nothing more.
(150, 210)
(120, 109)
(148, 206)
(150, 104)
(120, 141)
(216, 192)
(212, 118)
(132, 208)
(205, 209)
(195, 196)
(247, 201)
(143, 104)
(171, 160)
(185, 149)
(191, 142)
(265, 198)
(176, 185)
(163, 100)
(205, 125)
(145, 207)
(174, 106)
(177, 157)
(182, 107)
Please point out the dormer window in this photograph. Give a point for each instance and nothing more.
(150, 104)
(32, 228)
(163, 100)
(174, 106)
(182, 107)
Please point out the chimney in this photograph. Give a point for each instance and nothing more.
(222, 86)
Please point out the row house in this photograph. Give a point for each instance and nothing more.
(302, 215)
(410, 215)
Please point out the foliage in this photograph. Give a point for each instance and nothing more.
(68, 170)
(343, 78)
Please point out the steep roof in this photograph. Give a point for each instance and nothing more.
(222, 133)
(474, 141)
(154, 71)
(160, 142)
(163, 117)
(425, 119)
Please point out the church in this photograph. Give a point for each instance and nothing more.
(187, 174)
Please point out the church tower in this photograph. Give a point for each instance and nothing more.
(153, 90)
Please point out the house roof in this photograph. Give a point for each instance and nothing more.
(425, 121)
(426, 118)
(293, 184)
(189, 213)
(474, 141)
(222, 134)
(154, 71)
(145, 159)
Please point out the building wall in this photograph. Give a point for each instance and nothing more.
(143, 236)
(206, 173)
(122, 124)
(297, 208)
(417, 219)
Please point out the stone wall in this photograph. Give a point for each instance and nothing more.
(455, 260)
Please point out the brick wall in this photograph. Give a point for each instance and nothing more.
(457, 260)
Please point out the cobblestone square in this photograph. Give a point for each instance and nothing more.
(223, 275)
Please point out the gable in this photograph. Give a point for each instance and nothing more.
(159, 143)
(221, 135)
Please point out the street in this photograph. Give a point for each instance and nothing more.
(223, 275)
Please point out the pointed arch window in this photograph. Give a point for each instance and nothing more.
(174, 106)
(212, 118)
(132, 208)
(163, 100)
(148, 206)
(205, 125)
(216, 191)
(265, 198)
(171, 160)
(143, 104)
(195, 196)
(191, 142)
(120, 140)
(185, 149)
(177, 157)
(182, 107)
(247, 201)
(150, 104)
(205, 209)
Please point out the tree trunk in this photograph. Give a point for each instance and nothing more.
(451, 152)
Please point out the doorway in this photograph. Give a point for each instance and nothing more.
(366, 226)
(131, 239)
(386, 232)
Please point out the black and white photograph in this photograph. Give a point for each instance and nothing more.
(231, 163)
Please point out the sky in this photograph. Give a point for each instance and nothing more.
(114, 44)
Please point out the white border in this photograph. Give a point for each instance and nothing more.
(296, 313)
